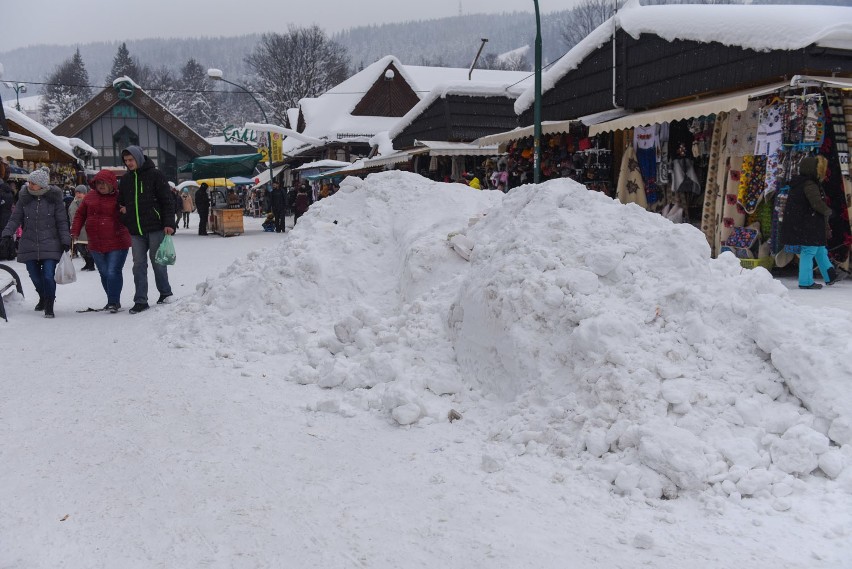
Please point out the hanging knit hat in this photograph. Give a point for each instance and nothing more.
(40, 178)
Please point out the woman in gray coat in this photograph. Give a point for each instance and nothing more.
(41, 212)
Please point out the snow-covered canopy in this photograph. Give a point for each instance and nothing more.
(63, 143)
(322, 164)
(758, 27)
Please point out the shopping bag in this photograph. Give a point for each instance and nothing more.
(65, 273)
(166, 252)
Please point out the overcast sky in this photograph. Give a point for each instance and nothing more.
(84, 21)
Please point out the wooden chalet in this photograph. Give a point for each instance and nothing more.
(124, 114)
(458, 115)
(656, 64)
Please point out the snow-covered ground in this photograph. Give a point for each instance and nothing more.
(624, 400)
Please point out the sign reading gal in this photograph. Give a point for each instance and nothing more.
(237, 134)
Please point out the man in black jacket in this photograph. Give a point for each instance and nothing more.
(147, 209)
(278, 202)
(202, 205)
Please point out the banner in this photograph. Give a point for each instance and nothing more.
(277, 147)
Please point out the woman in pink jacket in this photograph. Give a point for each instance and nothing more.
(109, 239)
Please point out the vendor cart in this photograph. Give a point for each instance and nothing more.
(225, 219)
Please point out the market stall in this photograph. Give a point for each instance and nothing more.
(226, 212)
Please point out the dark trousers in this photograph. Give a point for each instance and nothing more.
(202, 222)
(279, 220)
(185, 219)
(296, 216)
(42, 274)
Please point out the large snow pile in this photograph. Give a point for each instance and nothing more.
(579, 327)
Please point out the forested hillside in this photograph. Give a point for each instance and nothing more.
(447, 41)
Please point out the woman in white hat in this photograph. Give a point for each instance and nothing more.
(41, 212)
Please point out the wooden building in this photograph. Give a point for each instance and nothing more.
(648, 56)
(123, 115)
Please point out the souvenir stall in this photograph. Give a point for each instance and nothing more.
(728, 172)
(758, 152)
(574, 155)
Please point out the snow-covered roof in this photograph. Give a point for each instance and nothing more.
(330, 117)
(757, 27)
(293, 117)
(63, 143)
(319, 164)
(464, 88)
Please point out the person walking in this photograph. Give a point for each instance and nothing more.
(41, 212)
(187, 206)
(202, 204)
(805, 222)
(81, 239)
(147, 208)
(178, 204)
(7, 196)
(278, 201)
(301, 204)
(109, 239)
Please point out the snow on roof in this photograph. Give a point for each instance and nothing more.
(757, 27)
(126, 79)
(464, 88)
(329, 116)
(323, 164)
(63, 143)
(514, 54)
(293, 117)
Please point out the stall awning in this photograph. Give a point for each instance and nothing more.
(442, 148)
(698, 108)
(388, 159)
(7, 149)
(264, 178)
(550, 127)
(222, 166)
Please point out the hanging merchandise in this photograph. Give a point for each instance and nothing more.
(631, 188)
(710, 215)
(744, 129)
(834, 101)
(752, 182)
(684, 179)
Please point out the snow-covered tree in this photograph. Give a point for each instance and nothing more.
(67, 90)
(123, 64)
(303, 62)
(201, 108)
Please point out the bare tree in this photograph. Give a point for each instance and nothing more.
(584, 18)
(304, 62)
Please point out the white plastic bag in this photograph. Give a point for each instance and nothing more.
(65, 273)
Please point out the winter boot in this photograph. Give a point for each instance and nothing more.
(835, 276)
(40, 305)
(48, 307)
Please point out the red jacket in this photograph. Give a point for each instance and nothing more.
(103, 222)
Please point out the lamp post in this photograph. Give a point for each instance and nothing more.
(537, 104)
(18, 88)
(216, 75)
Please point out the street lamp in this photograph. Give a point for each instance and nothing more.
(216, 75)
(18, 88)
(537, 105)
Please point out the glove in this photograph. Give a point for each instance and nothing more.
(66, 248)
